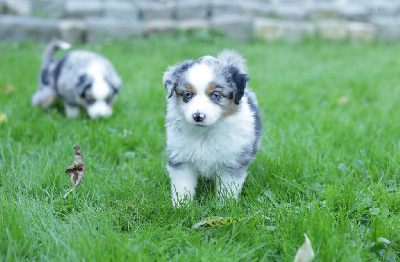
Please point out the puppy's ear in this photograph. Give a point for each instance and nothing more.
(84, 83)
(240, 80)
(173, 76)
(115, 82)
(169, 81)
(45, 76)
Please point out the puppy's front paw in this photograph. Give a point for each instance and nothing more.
(72, 111)
(183, 183)
(230, 185)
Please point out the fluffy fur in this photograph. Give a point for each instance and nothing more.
(80, 78)
(213, 124)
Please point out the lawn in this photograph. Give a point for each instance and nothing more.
(328, 165)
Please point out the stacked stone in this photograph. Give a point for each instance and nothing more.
(355, 20)
(95, 20)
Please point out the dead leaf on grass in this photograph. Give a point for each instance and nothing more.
(3, 118)
(343, 100)
(305, 252)
(76, 170)
(6, 88)
(216, 221)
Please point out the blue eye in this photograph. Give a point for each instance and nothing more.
(109, 100)
(216, 96)
(187, 95)
(90, 101)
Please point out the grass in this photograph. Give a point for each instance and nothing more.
(328, 165)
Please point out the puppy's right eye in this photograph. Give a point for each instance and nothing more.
(187, 96)
(90, 101)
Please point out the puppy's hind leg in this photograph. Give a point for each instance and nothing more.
(230, 183)
(183, 183)
(71, 110)
(44, 97)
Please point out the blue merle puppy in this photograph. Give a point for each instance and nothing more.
(80, 78)
(213, 124)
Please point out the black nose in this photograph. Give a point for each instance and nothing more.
(198, 117)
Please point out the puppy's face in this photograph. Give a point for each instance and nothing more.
(205, 90)
(97, 95)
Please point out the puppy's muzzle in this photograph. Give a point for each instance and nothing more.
(198, 117)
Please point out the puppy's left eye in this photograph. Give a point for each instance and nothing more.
(109, 99)
(215, 96)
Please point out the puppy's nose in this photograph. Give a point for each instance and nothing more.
(198, 117)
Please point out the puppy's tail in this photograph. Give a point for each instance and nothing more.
(52, 48)
(231, 57)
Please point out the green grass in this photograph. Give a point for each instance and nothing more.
(327, 169)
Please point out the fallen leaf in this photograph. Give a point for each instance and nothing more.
(7, 88)
(76, 170)
(305, 252)
(216, 221)
(3, 118)
(343, 100)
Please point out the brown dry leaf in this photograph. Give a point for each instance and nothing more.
(343, 100)
(305, 252)
(6, 88)
(216, 221)
(76, 170)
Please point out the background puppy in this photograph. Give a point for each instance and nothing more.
(80, 78)
(213, 124)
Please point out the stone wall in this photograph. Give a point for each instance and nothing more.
(94, 20)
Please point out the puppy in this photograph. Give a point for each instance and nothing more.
(213, 124)
(80, 78)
